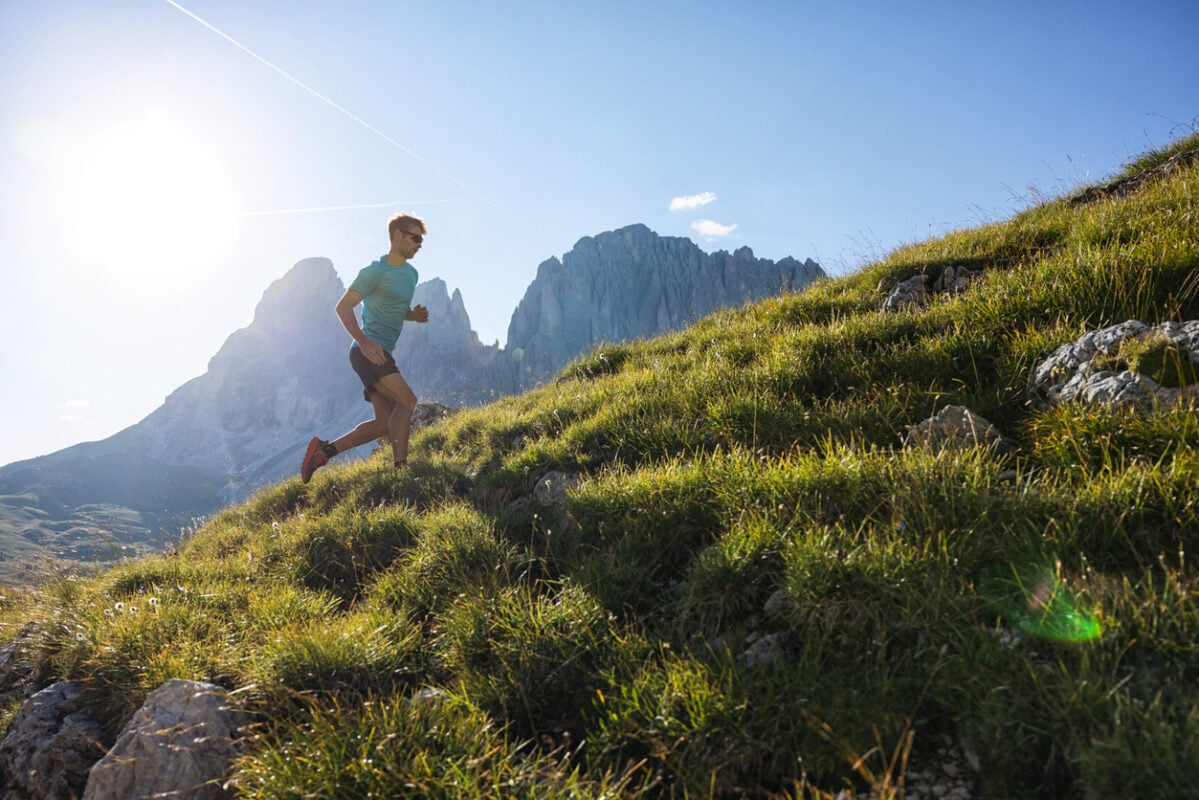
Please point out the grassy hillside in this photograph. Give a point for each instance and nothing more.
(741, 485)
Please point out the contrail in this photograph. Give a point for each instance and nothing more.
(335, 105)
(315, 209)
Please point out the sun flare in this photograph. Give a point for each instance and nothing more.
(151, 204)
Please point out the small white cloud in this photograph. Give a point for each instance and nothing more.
(692, 201)
(73, 411)
(708, 229)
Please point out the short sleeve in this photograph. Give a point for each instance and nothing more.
(366, 282)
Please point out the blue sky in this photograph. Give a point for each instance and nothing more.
(165, 161)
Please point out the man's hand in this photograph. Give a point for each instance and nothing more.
(373, 352)
(417, 313)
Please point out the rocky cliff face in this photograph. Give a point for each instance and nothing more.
(629, 284)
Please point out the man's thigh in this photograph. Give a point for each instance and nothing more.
(396, 389)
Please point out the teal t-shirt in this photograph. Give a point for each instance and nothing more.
(387, 297)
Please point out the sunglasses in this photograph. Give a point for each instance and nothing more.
(416, 237)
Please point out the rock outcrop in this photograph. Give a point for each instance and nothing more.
(917, 291)
(1131, 364)
(51, 745)
(181, 743)
(956, 428)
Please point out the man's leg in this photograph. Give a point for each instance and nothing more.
(319, 452)
(395, 389)
(371, 429)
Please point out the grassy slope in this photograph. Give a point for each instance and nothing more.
(743, 478)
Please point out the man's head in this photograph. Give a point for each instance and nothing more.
(406, 233)
(405, 222)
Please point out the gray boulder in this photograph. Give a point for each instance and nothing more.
(918, 290)
(765, 650)
(910, 293)
(50, 747)
(955, 280)
(180, 744)
(956, 427)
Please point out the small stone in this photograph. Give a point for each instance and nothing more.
(765, 650)
(777, 604)
(551, 489)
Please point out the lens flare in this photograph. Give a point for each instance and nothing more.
(1033, 599)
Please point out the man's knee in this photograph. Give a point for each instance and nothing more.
(405, 407)
(398, 392)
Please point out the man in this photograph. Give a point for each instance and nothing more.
(385, 289)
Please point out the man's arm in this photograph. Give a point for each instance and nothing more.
(345, 312)
(417, 313)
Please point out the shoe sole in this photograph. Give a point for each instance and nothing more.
(306, 466)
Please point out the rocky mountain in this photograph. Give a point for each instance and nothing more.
(443, 359)
(211, 442)
(628, 284)
(284, 378)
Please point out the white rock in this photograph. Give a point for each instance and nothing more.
(180, 744)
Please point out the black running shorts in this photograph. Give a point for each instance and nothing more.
(368, 372)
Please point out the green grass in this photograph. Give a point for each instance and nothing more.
(439, 634)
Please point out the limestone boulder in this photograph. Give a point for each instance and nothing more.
(180, 744)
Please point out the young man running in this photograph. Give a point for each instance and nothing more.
(385, 289)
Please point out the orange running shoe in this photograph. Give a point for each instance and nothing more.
(315, 458)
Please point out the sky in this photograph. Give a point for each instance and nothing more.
(164, 161)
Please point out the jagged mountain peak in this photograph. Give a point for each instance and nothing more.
(292, 298)
(630, 283)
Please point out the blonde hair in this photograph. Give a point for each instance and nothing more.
(402, 219)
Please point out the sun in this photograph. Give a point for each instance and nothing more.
(151, 205)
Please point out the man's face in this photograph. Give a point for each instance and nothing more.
(407, 241)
